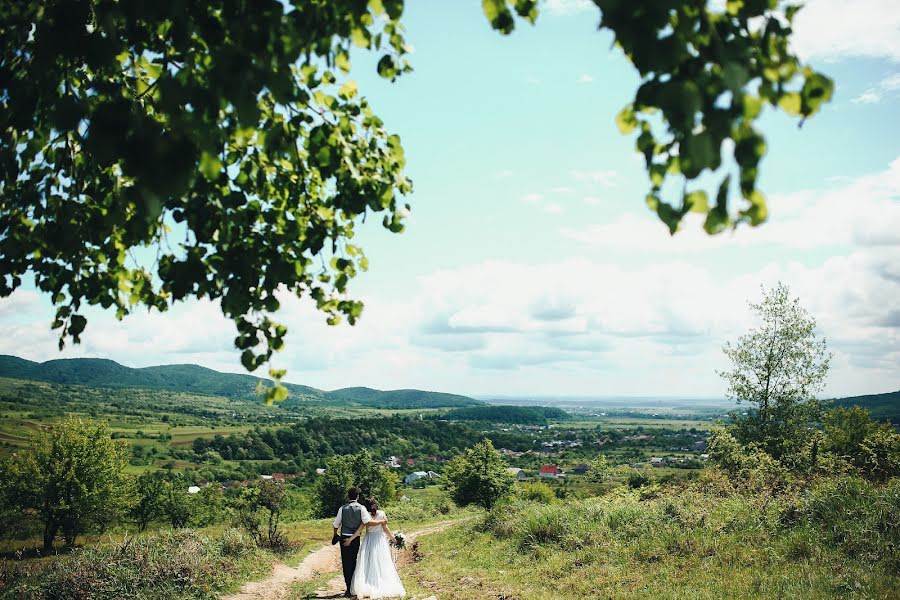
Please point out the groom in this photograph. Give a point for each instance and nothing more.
(349, 517)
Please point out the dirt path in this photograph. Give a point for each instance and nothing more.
(324, 560)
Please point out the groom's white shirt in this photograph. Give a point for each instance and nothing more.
(364, 513)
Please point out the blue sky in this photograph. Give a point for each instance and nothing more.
(530, 264)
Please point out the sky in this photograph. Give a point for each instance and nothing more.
(531, 266)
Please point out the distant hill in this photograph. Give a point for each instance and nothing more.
(518, 415)
(194, 379)
(884, 407)
(399, 398)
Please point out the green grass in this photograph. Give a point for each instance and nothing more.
(689, 544)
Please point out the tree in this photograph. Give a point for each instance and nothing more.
(176, 502)
(353, 470)
(153, 152)
(150, 488)
(478, 476)
(599, 471)
(263, 503)
(869, 447)
(778, 369)
(72, 477)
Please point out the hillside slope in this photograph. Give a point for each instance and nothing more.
(194, 379)
(884, 407)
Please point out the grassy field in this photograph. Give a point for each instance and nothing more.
(687, 545)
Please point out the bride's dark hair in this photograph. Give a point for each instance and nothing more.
(372, 504)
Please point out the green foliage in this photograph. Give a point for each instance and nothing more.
(148, 507)
(638, 478)
(354, 470)
(706, 73)
(260, 506)
(478, 476)
(71, 478)
(748, 465)
(217, 136)
(599, 470)
(178, 565)
(856, 515)
(777, 369)
(537, 491)
(697, 539)
(518, 415)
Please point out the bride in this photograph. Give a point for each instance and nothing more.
(375, 575)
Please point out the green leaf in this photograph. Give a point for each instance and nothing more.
(210, 166)
(278, 393)
(698, 153)
(77, 324)
(498, 15)
(387, 67)
(697, 202)
(626, 120)
(348, 90)
(791, 103)
(817, 90)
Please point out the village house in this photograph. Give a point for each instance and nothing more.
(519, 474)
(581, 469)
(550, 472)
(657, 462)
(415, 476)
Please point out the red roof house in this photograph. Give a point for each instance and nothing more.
(550, 471)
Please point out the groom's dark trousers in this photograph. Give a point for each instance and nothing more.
(348, 559)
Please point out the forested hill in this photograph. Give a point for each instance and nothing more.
(884, 407)
(194, 379)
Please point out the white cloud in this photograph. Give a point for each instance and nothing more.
(583, 325)
(876, 94)
(532, 80)
(585, 78)
(532, 198)
(863, 211)
(553, 208)
(603, 178)
(870, 96)
(504, 173)
(837, 29)
(568, 7)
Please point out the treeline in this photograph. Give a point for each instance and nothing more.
(320, 438)
(514, 415)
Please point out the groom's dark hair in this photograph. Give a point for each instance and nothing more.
(353, 493)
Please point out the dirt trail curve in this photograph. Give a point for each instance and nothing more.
(324, 560)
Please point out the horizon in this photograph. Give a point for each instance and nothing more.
(559, 398)
(530, 264)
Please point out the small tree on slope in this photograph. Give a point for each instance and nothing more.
(777, 368)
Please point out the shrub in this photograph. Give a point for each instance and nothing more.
(859, 517)
(177, 564)
(537, 491)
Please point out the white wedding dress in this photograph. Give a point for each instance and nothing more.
(375, 575)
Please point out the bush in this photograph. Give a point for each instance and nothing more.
(637, 479)
(359, 470)
(859, 517)
(537, 491)
(236, 543)
(177, 564)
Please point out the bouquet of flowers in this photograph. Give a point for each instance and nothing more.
(399, 541)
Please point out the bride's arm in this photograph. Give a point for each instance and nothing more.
(355, 535)
(387, 530)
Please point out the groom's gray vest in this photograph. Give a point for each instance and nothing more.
(351, 518)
